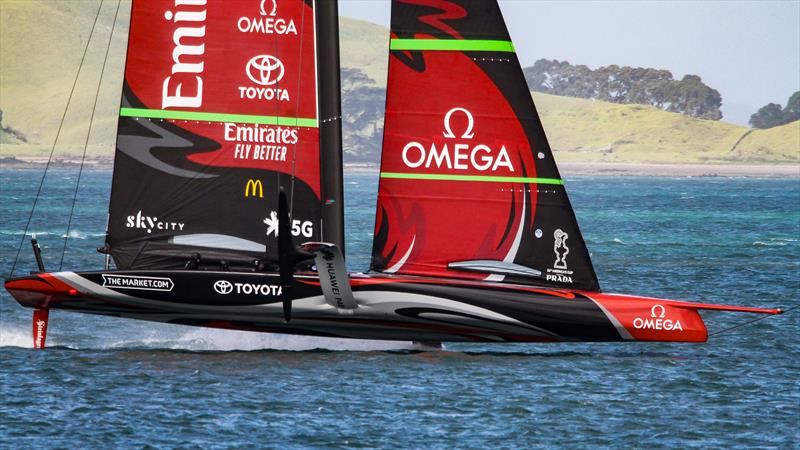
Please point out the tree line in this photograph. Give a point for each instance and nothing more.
(646, 86)
(772, 115)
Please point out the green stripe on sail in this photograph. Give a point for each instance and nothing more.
(217, 117)
(484, 178)
(469, 45)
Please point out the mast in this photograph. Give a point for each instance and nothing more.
(330, 121)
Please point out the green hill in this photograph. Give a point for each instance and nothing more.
(581, 130)
(41, 44)
(40, 54)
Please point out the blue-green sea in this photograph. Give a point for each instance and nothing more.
(113, 383)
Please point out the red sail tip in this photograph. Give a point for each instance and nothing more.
(40, 321)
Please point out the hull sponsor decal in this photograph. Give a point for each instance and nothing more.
(138, 282)
(225, 287)
(656, 321)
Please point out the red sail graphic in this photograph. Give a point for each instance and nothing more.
(466, 129)
(468, 188)
(245, 57)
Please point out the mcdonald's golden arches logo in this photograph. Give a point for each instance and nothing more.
(253, 188)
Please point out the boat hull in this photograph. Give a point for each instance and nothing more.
(389, 307)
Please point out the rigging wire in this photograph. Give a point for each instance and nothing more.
(58, 134)
(88, 133)
(748, 322)
(297, 103)
(274, 108)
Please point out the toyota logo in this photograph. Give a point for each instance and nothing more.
(265, 70)
(223, 287)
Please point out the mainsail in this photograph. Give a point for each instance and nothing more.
(468, 184)
(219, 112)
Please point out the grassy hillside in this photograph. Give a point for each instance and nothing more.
(41, 44)
(775, 144)
(40, 54)
(364, 46)
(581, 130)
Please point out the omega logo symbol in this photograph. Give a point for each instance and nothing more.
(264, 9)
(657, 308)
(448, 131)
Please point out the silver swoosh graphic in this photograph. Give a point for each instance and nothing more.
(139, 147)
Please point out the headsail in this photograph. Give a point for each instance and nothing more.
(469, 187)
(219, 109)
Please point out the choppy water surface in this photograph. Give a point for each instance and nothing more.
(109, 382)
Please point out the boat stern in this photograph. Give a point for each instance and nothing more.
(39, 291)
(654, 319)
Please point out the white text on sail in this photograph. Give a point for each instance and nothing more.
(456, 155)
(186, 57)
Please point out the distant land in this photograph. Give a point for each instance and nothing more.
(39, 57)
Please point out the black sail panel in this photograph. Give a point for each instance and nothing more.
(469, 187)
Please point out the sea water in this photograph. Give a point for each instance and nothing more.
(108, 382)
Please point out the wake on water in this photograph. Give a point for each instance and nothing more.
(205, 339)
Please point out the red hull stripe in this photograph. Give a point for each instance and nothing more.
(217, 117)
(466, 45)
(485, 178)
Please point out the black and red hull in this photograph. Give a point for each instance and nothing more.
(389, 307)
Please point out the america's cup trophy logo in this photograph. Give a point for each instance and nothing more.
(561, 249)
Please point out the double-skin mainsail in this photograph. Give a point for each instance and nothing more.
(225, 103)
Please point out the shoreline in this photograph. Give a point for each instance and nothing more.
(786, 170)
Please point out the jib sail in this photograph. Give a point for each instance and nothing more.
(468, 184)
(219, 111)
